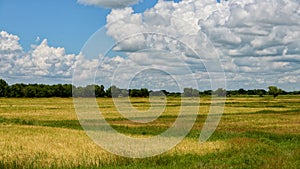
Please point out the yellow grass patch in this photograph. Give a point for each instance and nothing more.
(192, 146)
(45, 146)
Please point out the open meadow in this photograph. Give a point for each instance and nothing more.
(254, 132)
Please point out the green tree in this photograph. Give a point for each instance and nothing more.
(190, 92)
(207, 92)
(30, 91)
(99, 91)
(89, 91)
(67, 90)
(134, 93)
(260, 93)
(17, 90)
(78, 91)
(113, 91)
(273, 90)
(242, 91)
(187, 92)
(220, 92)
(3, 88)
(108, 92)
(195, 93)
(144, 92)
(57, 90)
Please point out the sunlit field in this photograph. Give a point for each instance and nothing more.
(254, 132)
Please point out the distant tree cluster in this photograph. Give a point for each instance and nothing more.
(259, 92)
(68, 90)
(113, 91)
(272, 90)
(35, 90)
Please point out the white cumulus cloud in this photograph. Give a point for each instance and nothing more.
(44, 60)
(253, 38)
(10, 50)
(41, 62)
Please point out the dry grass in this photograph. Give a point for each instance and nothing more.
(33, 146)
(45, 133)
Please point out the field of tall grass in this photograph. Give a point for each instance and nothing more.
(254, 132)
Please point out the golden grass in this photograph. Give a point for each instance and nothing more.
(38, 109)
(45, 146)
(42, 146)
(192, 146)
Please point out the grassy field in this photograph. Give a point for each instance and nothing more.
(254, 132)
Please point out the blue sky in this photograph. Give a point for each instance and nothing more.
(257, 43)
(64, 23)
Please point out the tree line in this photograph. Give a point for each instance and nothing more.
(20, 90)
(67, 90)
